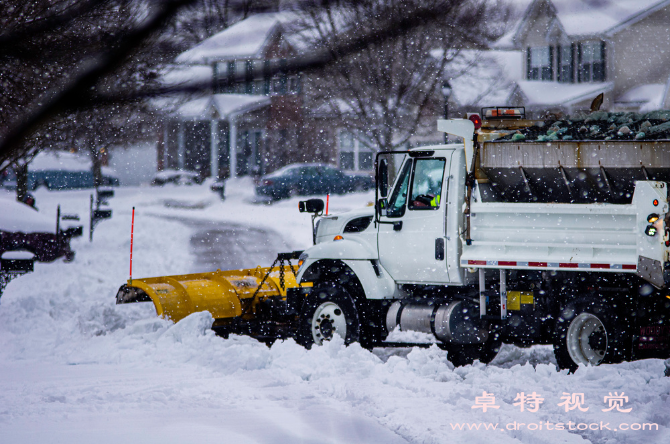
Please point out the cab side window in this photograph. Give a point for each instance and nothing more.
(398, 200)
(426, 192)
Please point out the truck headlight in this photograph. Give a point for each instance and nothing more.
(301, 260)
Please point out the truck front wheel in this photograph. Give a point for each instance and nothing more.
(328, 310)
(466, 354)
(587, 333)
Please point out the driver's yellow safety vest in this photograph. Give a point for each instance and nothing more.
(435, 201)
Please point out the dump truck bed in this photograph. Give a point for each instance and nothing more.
(568, 171)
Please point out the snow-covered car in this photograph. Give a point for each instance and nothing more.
(176, 177)
(24, 228)
(302, 179)
(61, 171)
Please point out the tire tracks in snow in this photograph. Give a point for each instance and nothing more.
(229, 246)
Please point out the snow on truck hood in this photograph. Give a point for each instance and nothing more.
(15, 216)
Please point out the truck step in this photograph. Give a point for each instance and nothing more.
(406, 344)
(491, 318)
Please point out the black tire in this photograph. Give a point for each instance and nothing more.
(588, 332)
(328, 309)
(466, 354)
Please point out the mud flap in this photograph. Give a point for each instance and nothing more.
(651, 271)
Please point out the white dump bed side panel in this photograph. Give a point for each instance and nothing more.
(603, 237)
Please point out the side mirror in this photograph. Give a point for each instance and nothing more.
(313, 206)
(383, 178)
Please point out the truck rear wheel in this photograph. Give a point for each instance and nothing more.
(587, 333)
(328, 310)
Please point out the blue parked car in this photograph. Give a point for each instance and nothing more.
(305, 179)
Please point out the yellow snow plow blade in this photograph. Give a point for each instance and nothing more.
(225, 294)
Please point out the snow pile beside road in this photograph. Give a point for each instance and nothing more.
(419, 397)
(17, 216)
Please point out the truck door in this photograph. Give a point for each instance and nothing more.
(412, 241)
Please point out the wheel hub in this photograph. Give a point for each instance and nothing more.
(587, 339)
(326, 328)
(328, 319)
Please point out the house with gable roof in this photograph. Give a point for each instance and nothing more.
(242, 127)
(254, 121)
(574, 50)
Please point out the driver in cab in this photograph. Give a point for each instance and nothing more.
(430, 193)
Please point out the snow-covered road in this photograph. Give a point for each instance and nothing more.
(227, 246)
(75, 368)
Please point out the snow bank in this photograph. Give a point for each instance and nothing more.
(16, 216)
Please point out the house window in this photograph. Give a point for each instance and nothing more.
(355, 154)
(347, 155)
(255, 77)
(566, 66)
(592, 62)
(239, 86)
(267, 79)
(540, 63)
(231, 78)
(257, 87)
(249, 78)
(294, 84)
(220, 77)
(283, 77)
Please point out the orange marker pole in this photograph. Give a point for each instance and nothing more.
(132, 229)
(327, 202)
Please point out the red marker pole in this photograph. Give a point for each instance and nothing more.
(132, 229)
(327, 202)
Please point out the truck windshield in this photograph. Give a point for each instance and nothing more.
(396, 204)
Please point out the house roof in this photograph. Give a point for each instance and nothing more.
(482, 78)
(244, 40)
(591, 17)
(587, 17)
(560, 94)
(186, 75)
(225, 105)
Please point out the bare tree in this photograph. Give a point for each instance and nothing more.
(386, 88)
(58, 40)
(67, 61)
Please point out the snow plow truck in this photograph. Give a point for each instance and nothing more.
(526, 232)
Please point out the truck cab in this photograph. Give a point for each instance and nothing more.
(420, 219)
(413, 238)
